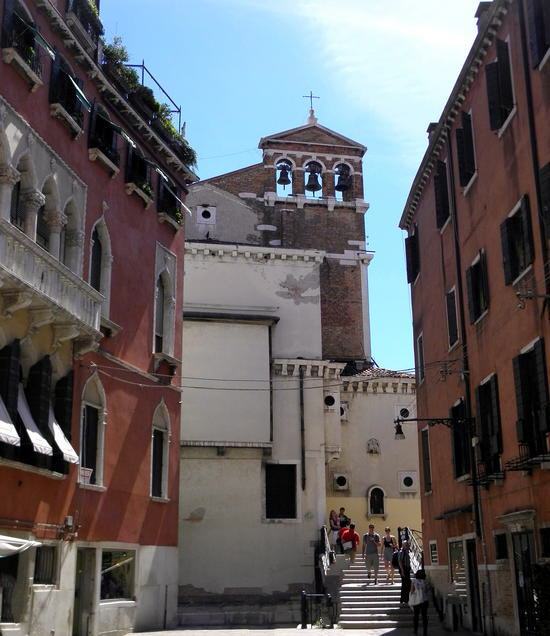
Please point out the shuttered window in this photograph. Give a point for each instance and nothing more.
(538, 21)
(461, 440)
(441, 190)
(478, 287)
(157, 467)
(88, 454)
(465, 150)
(44, 565)
(544, 176)
(452, 323)
(280, 491)
(420, 371)
(63, 403)
(533, 410)
(500, 92)
(426, 466)
(489, 428)
(516, 236)
(501, 546)
(413, 255)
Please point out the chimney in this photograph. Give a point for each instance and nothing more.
(481, 12)
(430, 130)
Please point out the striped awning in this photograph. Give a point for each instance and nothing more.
(8, 433)
(14, 545)
(40, 445)
(69, 453)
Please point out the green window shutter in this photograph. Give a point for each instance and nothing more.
(484, 280)
(38, 392)
(496, 428)
(541, 381)
(461, 152)
(63, 403)
(411, 250)
(518, 382)
(493, 95)
(527, 230)
(506, 91)
(505, 244)
(544, 177)
(55, 79)
(10, 376)
(470, 290)
(441, 194)
(469, 144)
(537, 29)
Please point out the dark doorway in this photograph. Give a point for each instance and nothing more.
(524, 557)
(8, 578)
(84, 592)
(473, 586)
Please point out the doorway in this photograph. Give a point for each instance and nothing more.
(84, 592)
(524, 557)
(473, 586)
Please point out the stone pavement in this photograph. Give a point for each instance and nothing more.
(434, 630)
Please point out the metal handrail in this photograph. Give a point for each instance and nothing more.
(324, 606)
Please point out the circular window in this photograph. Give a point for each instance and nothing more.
(329, 400)
(206, 214)
(408, 482)
(341, 480)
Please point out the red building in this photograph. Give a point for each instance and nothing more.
(92, 178)
(478, 223)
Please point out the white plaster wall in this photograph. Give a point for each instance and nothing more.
(225, 350)
(288, 289)
(157, 588)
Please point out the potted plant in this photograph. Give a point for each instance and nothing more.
(115, 58)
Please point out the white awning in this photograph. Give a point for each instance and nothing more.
(69, 453)
(40, 445)
(8, 434)
(14, 545)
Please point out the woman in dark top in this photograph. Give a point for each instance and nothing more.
(389, 545)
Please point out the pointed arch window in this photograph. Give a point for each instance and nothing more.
(314, 179)
(92, 432)
(160, 440)
(96, 262)
(100, 264)
(342, 182)
(283, 178)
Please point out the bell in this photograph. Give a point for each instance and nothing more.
(313, 184)
(283, 179)
(343, 183)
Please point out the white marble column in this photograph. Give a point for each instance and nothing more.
(55, 220)
(32, 201)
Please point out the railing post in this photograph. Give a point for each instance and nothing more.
(304, 609)
(330, 608)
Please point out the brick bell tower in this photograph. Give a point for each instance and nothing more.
(307, 193)
(314, 197)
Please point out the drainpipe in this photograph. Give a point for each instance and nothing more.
(533, 143)
(270, 337)
(478, 514)
(302, 427)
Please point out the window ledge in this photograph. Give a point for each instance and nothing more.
(161, 356)
(95, 487)
(75, 25)
(31, 469)
(470, 183)
(506, 123)
(46, 587)
(462, 478)
(120, 602)
(95, 153)
(453, 346)
(131, 187)
(281, 521)
(428, 493)
(544, 60)
(481, 316)
(57, 111)
(168, 218)
(162, 500)
(110, 328)
(11, 56)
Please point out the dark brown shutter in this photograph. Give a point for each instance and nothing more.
(495, 441)
(88, 452)
(38, 392)
(536, 28)
(484, 280)
(129, 162)
(410, 251)
(441, 194)
(481, 428)
(541, 382)
(470, 289)
(10, 376)
(157, 451)
(527, 230)
(452, 318)
(505, 243)
(55, 79)
(426, 468)
(493, 95)
(546, 24)
(461, 152)
(63, 405)
(518, 382)
(544, 176)
(469, 144)
(506, 92)
(7, 22)
(93, 126)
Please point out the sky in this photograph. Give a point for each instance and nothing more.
(383, 71)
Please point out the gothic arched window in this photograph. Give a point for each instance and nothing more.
(314, 179)
(376, 501)
(96, 262)
(283, 177)
(342, 181)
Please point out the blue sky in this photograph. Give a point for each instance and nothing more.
(383, 71)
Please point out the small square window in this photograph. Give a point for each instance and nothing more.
(280, 491)
(117, 574)
(44, 565)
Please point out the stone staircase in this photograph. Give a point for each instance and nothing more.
(364, 605)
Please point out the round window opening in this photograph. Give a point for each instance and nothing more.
(408, 481)
(206, 214)
(329, 400)
(341, 480)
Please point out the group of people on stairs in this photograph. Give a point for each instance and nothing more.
(414, 592)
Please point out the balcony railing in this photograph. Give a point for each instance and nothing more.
(169, 204)
(104, 136)
(88, 25)
(21, 37)
(63, 91)
(40, 273)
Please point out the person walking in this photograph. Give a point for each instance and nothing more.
(334, 525)
(344, 519)
(343, 527)
(371, 543)
(404, 561)
(419, 601)
(389, 545)
(350, 541)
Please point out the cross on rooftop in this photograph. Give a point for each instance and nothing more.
(311, 97)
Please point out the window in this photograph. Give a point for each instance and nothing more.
(441, 194)
(104, 135)
(100, 264)
(488, 424)
(342, 182)
(478, 287)
(452, 322)
(461, 440)
(516, 237)
(544, 177)
(280, 491)
(138, 171)
(44, 565)
(426, 465)
(500, 92)
(545, 543)
(159, 315)
(42, 229)
(88, 455)
(92, 432)
(164, 303)
(456, 564)
(376, 501)
(19, 32)
(313, 183)
(117, 574)
(420, 371)
(96, 262)
(16, 211)
(283, 170)
(501, 546)
(531, 382)
(168, 201)
(412, 252)
(66, 90)
(159, 452)
(538, 19)
(434, 557)
(465, 150)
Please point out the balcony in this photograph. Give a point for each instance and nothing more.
(82, 18)
(65, 103)
(138, 178)
(169, 207)
(20, 49)
(30, 277)
(103, 143)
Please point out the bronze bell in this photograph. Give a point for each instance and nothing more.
(343, 183)
(313, 184)
(283, 179)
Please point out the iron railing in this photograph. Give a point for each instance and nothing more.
(63, 91)
(87, 17)
(104, 137)
(317, 610)
(21, 38)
